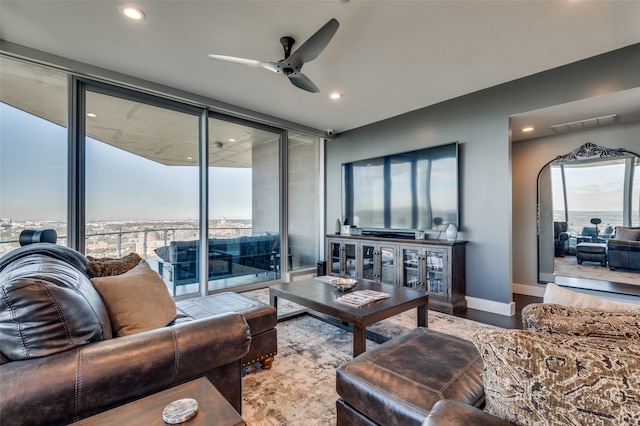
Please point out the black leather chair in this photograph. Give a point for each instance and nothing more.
(561, 238)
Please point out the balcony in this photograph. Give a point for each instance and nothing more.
(236, 257)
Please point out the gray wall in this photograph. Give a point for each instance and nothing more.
(480, 122)
(529, 157)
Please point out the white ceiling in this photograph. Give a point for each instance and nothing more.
(387, 57)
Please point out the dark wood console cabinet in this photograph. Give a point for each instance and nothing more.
(436, 266)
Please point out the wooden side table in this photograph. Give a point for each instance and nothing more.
(213, 408)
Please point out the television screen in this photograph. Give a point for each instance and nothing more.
(416, 190)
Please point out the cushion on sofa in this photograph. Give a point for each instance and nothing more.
(534, 378)
(627, 234)
(556, 294)
(137, 300)
(559, 319)
(163, 253)
(47, 306)
(106, 266)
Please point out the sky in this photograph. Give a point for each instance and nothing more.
(589, 190)
(120, 185)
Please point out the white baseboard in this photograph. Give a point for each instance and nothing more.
(507, 309)
(529, 290)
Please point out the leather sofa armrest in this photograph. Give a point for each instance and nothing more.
(448, 412)
(78, 383)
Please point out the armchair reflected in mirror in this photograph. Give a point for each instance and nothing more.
(584, 197)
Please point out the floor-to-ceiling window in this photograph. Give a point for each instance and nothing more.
(127, 174)
(33, 151)
(142, 185)
(591, 197)
(304, 197)
(244, 204)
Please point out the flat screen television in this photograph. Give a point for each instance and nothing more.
(416, 190)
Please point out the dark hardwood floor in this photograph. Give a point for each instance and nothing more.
(514, 321)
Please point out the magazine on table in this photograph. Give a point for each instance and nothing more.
(362, 297)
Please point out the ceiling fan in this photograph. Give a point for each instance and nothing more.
(293, 62)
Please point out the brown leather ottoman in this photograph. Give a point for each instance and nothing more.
(260, 317)
(398, 382)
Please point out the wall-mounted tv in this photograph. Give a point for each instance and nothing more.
(416, 190)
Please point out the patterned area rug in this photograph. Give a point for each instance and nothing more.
(300, 387)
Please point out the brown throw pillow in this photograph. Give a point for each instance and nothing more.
(532, 378)
(137, 300)
(106, 267)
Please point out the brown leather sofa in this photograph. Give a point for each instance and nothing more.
(59, 362)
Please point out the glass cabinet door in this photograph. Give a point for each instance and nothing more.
(387, 273)
(435, 272)
(349, 260)
(368, 262)
(411, 268)
(342, 258)
(334, 265)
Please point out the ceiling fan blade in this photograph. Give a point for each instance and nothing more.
(302, 81)
(310, 49)
(250, 62)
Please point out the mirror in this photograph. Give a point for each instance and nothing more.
(582, 197)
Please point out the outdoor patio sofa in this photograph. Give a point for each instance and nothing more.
(228, 257)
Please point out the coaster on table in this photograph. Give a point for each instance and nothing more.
(180, 411)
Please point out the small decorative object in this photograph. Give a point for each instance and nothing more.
(337, 226)
(344, 284)
(452, 232)
(180, 411)
(346, 230)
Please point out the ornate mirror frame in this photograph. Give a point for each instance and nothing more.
(588, 152)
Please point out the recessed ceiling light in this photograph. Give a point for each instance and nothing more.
(527, 129)
(189, 158)
(92, 115)
(335, 95)
(132, 13)
(232, 140)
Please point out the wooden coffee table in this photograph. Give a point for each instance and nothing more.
(213, 408)
(320, 297)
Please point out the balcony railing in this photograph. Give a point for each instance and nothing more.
(115, 243)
